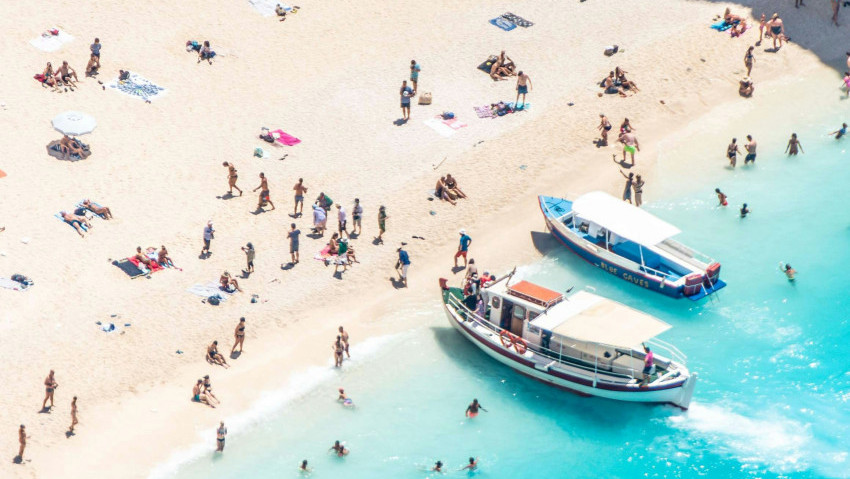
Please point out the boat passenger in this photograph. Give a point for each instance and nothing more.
(647, 365)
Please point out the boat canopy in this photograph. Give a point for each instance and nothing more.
(623, 219)
(594, 319)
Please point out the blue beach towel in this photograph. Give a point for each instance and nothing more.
(503, 23)
(137, 86)
(59, 217)
(721, 26)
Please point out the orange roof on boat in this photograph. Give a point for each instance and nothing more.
(534, 293)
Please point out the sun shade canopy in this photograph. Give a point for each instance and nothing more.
(623, 219)
(587, 317)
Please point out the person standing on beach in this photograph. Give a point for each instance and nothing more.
(604, 127)
(627, 191)
(732, 152)
(95, 53)
(249, 256)
(638, 187)
(293, 242)
(344, 335)
(231, 178)
(22, 440)
(220, 435)
(463, 247)
(239, 336)
(264, 193)
(50, 386)
(414, 75)
(721, 198)
(338, 348)
(74, 421)
(300, 191)
(320, 219)
(630, 145)
(777, 31)
(761, 28)
(751, 150)
(382, 223)
(793, 144)
(523, 86)
(406, 92)
(840, 132)
(749, 58)
(357, 216)
(209, 234)
(342, 219)
(403, 264)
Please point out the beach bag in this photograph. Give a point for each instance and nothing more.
(447, 115)
(214, 300)
(267, 137)
(19, 278)
(258, 152)
(609, 51)
(425, 98)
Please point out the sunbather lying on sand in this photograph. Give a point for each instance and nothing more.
(70, 147)
(75, 221)
(98, 210)
(228, 283)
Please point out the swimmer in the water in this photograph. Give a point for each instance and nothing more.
(303, 467)
(789, 272)
(721, 197)
(473, 464)
(339, 449)
(345, 400)
(472, 409)
(745, 211)
(840, 132)
(438, 467)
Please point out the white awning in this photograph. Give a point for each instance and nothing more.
(594, 319)
(623, 219)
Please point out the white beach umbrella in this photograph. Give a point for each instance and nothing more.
(74, 123)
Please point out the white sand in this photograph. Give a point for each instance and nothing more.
(328, 75)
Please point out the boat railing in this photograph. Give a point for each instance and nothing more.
(566, 359)
(668, 350)
(687, 254)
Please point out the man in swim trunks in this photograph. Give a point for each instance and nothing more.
(214, 356)
(406, 93)
(523, 86)
(751, 150)
(357, 217)
(732, 152)
(721, 197)
(840, 132)
(75, 221)
(197, 396)
(264, 193)
(220, 434)
(65, 72)
(50, 386)
(231, 178)
(403, 264)
(239, 336)
(630, 145)
(463, 247)
(472, 409)
(142, 258)
(338, 348)
(293, 235)
(344, 335)
(95, 54)
(103, 211)
(300, 191)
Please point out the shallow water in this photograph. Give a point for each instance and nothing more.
(771, 400)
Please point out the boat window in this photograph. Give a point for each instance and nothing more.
(532, 315)
(519, 312)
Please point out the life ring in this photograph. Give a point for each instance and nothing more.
(507, 338)
(520, 345)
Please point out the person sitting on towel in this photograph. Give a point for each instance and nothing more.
(729, 18)
(507, 63)
(70, 147)
(64, 74)
(281, 12)
(75, 221)
(746, 87)
(142, 258)
(49, 75)
(454, 189)
(333, 244)
(163, 258)
(98, 210)
(611, 85)
(622, 81)
(228, 283)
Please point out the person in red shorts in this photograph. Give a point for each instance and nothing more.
(463, 247)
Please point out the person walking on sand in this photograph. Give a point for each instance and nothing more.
(382, 223)
(300, 191)
(604, 127)
(793, 145)
(839, 133)
(405, 92)
(344, 335)
(627, 191)
(342, 219)
(721, 198)
(523, 86)
(463, 247)
(751, 150)
(231, 178)
(338, 348)
(761, 29)
(264, 193)
(414, 75)
(630, 145)
(777, 31)
(239, 336)
(402, 264)
(472, 409)
(293, 235)
(732, 152)
(209, 234)
(357, 217)
(50, 386)
(74, 420)
(638, 187)
(22, 440)
(749, 58)
(220, 435)
(249, 257)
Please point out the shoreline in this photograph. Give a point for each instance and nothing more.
(117, 422)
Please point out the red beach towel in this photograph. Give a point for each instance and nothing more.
(154, 265)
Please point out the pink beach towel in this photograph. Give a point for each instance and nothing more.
(325, 254)
(284, 138)
(454, 123)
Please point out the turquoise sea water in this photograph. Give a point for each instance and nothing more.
(772, 357)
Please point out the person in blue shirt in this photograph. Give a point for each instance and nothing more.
(840, 132)
(406, 93)
(414, 74)
(463, 247)
(403, 264)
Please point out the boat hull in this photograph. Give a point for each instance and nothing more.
(677, 393)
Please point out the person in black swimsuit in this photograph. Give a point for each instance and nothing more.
(239, 334)
(604, 127)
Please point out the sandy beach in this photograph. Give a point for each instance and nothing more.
(328, 75)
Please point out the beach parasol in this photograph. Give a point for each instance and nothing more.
(74, 123)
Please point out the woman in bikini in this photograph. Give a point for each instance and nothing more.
(338, 348)
(49, 75)
(793, 144)
(239, 335)
(604, 127)
(228, 283)
(749, 58)
(333, 244)
(74, 420)
(103, 211)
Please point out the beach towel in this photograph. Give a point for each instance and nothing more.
(488, 64)
(7, 283)
(284, 138)
(155, 267)
(437, 125)
(208, 290)
(266, 8)
(485, 111)
(503, 23)
(325, 255)
(454, 123)
(59, 217)
(517, 20)
(54, 150)
(137, 86)
(129, 268)
(734, 33)
(48, 42)
(722, 26)
(89, 213)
